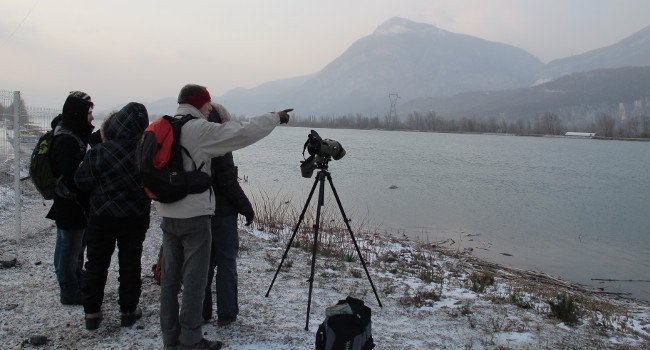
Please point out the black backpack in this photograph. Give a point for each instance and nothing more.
(160, 162)
(347, 326)
(40, 166)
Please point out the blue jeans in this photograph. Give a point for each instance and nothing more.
(66, 261)
(185, 257)
(225, 245)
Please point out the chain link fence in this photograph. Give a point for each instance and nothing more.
(20, 128)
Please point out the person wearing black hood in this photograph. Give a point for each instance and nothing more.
(119, 213)
(72, 128)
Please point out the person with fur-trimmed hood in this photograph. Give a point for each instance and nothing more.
(230, 200)
(72, 129)
(186, 223)
(119, 213)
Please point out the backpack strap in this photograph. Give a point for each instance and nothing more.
(60, 130)
(177, 125)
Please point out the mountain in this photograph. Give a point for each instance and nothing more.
(433, 69)
(162, 106)
(633, 51)
(413, 59)
(263, 98)
(576, 98)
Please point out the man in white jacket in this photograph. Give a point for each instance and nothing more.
(186, 223)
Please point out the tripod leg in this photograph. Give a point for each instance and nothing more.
(321, 191)
(302, 215)
(356, 246)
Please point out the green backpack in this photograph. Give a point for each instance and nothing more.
(40, 167)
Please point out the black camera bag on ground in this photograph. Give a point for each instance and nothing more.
(347, 325)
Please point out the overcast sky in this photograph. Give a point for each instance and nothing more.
(143, 50)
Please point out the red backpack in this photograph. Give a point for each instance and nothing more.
(160, 161)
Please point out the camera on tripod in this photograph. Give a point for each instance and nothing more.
(321, 151)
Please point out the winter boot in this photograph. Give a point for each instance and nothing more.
(202, 344)
(93, 320)
(129, 318)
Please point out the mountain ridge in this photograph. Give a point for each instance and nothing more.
(418, 61)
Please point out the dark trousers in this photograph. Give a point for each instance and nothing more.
(101, 237)
(223, 258)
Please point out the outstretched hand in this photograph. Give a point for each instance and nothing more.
(284, 115)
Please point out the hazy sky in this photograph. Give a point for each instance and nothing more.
(143, 50)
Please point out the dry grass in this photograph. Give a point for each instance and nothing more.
(434, 265)
(274, 212)
(480, 280)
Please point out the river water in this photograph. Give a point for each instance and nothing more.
(575, 208)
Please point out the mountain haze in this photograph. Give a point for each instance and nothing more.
(412, 59)
(633, 51)
(460, 75)
(577, 98)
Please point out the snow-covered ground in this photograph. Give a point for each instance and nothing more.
(512, 313)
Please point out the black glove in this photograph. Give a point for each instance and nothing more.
(95, 138)
(284, 115)
(249, 218)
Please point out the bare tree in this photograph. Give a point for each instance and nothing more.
(605, 124)
(549, 124)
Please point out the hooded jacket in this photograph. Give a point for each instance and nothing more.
(205, 140)
(230, 198)
(109, 172)
(71, 131)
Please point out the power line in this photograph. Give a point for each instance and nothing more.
(19, 24)
(393, 104)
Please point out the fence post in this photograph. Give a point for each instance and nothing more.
(17, 192)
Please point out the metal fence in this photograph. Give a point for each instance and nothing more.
(20, 128)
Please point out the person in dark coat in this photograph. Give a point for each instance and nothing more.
(72, 129)
(119, 213)
(230, 200)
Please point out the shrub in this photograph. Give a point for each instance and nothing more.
(430, 275)
(518, 299)
(563, 307)
(421, 298)
(481, 280)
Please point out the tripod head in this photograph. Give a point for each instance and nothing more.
(322, 162)
(314, 162)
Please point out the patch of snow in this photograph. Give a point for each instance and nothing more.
(29, 303)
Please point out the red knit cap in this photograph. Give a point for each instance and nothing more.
(195, 95)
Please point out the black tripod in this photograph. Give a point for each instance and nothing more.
(320, 178)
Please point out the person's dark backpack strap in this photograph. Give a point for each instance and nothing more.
(62, 131)
(177, 149)
(176, 157)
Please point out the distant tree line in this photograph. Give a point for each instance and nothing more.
(7, 114)
(604, 124)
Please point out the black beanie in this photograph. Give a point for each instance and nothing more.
(77, 104)
(75, 113)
